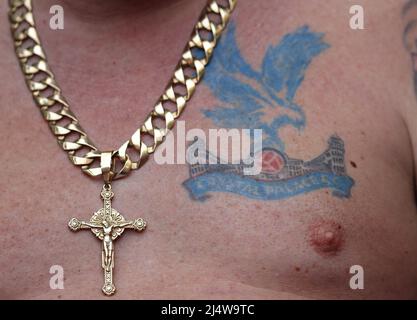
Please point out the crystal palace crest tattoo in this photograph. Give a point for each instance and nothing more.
(247, 97)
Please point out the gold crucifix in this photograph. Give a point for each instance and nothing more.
(107, 224)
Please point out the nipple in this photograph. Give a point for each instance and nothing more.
(326, 237)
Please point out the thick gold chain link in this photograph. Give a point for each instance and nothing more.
(64, 124)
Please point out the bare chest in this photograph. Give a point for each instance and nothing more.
(335, 188)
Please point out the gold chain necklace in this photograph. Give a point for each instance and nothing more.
(107, 224)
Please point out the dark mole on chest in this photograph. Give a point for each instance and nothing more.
(326, 237)
(353, 164)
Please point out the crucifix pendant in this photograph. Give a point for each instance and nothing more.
(107, 224)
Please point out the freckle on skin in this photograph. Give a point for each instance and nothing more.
(297, 269)
(353, 164)
(326, 237)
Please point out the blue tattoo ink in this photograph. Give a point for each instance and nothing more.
(248, 98)
(281, 176)
(247, 94)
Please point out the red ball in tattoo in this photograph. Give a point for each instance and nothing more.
(272, 161)
(326, 237)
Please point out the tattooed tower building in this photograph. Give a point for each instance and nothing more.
(331, 160)
(337, 154)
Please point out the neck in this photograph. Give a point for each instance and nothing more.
(108, 14)
(127, 22)
(114, 9)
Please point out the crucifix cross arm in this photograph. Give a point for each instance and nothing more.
(138, 224)
(74, 224)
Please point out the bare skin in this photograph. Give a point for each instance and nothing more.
(113, 63)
